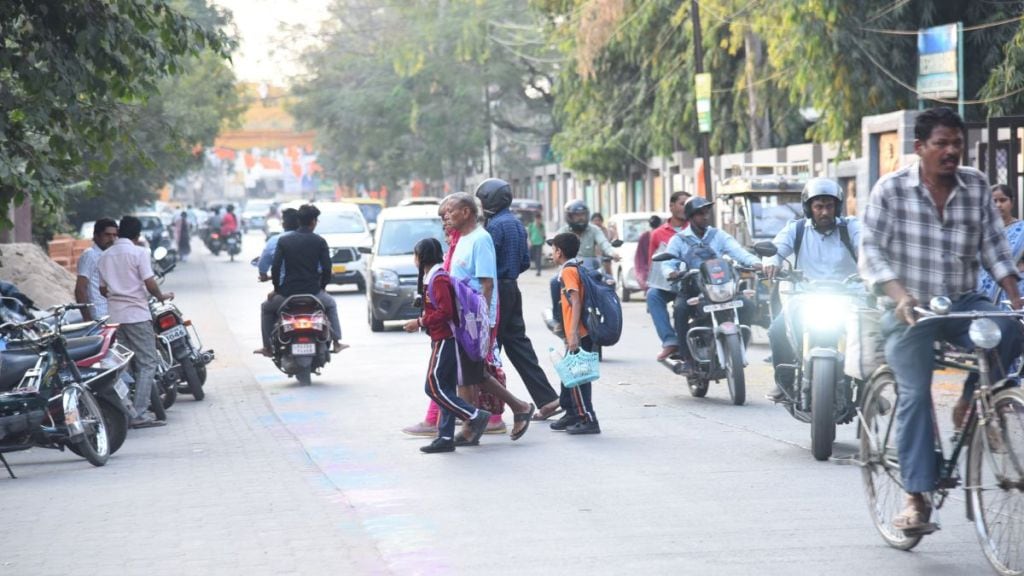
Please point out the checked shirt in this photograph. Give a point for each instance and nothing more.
(904, 239)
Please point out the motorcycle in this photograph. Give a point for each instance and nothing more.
(181, 352)
(62, 393)
(716, 338)
(214, 243)
(301, 337)
(823, 395)
(234, 244)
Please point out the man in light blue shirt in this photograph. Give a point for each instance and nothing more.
(696, 243)
(823, 247)
(289, 223)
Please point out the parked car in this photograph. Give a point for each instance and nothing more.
(628, 226)
(343, 227)
(391, 270)
(420, 201)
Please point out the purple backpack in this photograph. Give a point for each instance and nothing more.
(472, 327)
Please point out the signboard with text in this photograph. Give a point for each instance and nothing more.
(938, 74)
(703, 92)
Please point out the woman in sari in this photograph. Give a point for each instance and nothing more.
(1005, 200)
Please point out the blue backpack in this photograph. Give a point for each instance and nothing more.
(602, 311)
(700, 249)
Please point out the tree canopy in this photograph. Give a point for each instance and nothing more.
(76, 86)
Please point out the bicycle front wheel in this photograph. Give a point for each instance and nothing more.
(880, 465)
(995, 477)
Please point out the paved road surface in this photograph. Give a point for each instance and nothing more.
(265, 477)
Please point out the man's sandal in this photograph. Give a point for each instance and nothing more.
(522, 417)
(540, 415)
(913, 521)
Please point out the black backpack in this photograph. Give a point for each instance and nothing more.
(602, 311)
(844, 237)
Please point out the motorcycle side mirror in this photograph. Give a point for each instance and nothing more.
(160, 253)
(616, 243)
(365, 250)
(663, 257)
(255, 261)
(765, 249)
(940, 305)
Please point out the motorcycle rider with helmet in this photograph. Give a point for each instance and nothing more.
(697, 243)
(592, 238)
(824, 247)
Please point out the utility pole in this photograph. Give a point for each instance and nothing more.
(698, 64)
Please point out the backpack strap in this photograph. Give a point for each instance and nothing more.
(799, 239)
(844, 237)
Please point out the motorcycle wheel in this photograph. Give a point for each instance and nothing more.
(94, 444)
(168, 394)
(117, 423)
(698, 386)
(624, 293)
(304, 376)
(156, 403)
(734, 369)
(195, 384)
(823, 399)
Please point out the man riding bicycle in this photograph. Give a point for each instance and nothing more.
(695, 244)
(824, 247)
(927, 227)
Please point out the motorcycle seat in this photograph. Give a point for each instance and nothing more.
(14, 365)
(78, 329)
(301, 303)
(85, 347)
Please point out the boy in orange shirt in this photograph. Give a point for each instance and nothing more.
(579, 415)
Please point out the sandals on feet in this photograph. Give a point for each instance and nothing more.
(914, 521)
(524, 417)
(541, 415)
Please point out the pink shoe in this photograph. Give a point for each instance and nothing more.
(420, 429)
(496, 426)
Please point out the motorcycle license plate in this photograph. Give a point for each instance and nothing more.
(121, 388)
(723, 306)
(303, 349)
(338, 268)
(174, 333)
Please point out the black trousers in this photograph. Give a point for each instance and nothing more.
(517, 346)
(577, 401)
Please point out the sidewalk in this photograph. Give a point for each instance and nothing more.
(224, 488)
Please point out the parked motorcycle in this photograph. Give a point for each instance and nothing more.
(61, 392)
(300, 341)
(716, 338)
(817, 311)
(182, 356)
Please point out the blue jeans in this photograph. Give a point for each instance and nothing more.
(908, 351)
(657, 306)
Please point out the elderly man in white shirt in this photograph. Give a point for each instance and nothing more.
(824, 247)
(127, 280)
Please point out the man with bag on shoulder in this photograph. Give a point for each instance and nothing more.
(927, 228)
(696, 243)
(824, 247)
(474, 261)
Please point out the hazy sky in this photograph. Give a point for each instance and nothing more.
(261, 57)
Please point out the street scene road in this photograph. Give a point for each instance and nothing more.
(266, 477)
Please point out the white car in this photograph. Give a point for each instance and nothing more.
(629, 226)
(343, 227)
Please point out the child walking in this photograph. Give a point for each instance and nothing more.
(579, 415)
(443, 370)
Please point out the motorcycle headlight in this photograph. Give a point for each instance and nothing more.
(385, 280)
(985, 333)
(823, 312)
(721, 292)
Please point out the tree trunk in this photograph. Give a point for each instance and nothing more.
(759, 125)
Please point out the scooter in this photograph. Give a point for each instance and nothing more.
(300, 341)
(716, 338)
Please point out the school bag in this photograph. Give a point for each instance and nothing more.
(472, 326)
(602, 311)
(700, 249)
(844, 237)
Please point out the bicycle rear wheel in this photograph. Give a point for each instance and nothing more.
(880, 466)
(995, 477)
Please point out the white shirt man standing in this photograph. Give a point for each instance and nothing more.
(87, 285)
(126, 280)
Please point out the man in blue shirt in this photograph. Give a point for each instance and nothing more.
(289, 224)
(512, 251)
(698, 242)
(826, 250)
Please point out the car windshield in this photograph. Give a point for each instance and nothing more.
(370, 211)
(150, 222)
(400, 236)
(633, 228)
(340, 223)
(771, 213)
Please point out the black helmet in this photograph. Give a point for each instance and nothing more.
(816, 187)
(577, 215)
(495, 195)
(694, 205)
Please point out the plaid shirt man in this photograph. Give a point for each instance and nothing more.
(904, 239)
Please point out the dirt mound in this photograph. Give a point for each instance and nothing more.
(29, 268)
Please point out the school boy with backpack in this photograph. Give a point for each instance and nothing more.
(443, 372)
(699, 242)
(579, 415)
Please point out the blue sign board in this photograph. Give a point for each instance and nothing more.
(938, 72)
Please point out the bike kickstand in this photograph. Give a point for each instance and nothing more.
(8, 466)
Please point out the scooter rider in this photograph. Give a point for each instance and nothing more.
(824, 247)
(696, 243)
(592, 238)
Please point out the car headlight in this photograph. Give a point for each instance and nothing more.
(385, 280)
(721, 292)
(985, 333)
(823, 312)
